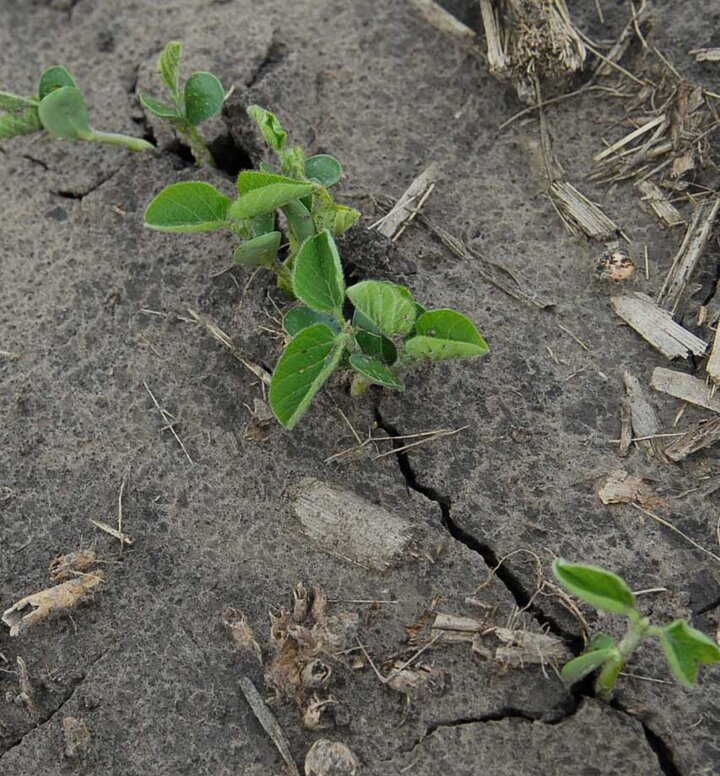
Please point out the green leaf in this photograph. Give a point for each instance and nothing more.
(292, 162)
(390, 308)
(263, 224)
(600, 651)
(158, 108)
(54, 78)
(371, 341)
(374, 371)
(250, 180)
(298, 318)
(269, 125)
(445, 334)
(323, 168)
(329, 215)
(304, 366)
(168, 67)
(300, 221)
(260, 251)
(16, 103)
(19, 123)
(318, 278)
(188, 207)
(204, 97)
(265, 199)
(64, 113)
(604, 590)
(685, 649)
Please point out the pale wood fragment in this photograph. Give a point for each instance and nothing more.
(580, 214)
(659, 202)
(703, 435)
(683, 266)
(686, 387)
(713, 364)
(408, 204)
(625, 428)
(642, 414)
(442, 20)
(623, 488)
(657, 326)
(706, 54)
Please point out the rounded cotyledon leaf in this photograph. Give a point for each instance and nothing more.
(323, 168)
(188, 207)
(204, 97)
(389, 307)
(602, 589)
(54, 78)
(64, 114)
(686, 648)
(374, 371)
(318, 278)
(306, 363)
(445, 334)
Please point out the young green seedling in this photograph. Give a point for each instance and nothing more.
(685, 648)
(299, 191)
(387, 332)
(61, 110)
(200, 99)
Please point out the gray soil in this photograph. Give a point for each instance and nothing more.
(146, 664)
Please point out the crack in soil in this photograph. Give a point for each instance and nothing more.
(274, 56)
(523, 598)
(50, 715)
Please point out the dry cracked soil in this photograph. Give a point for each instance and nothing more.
(94, 312)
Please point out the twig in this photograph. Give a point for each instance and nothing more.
(664, 522)
(167, 417)
(124, 538)
(438, 435)
(120, 513)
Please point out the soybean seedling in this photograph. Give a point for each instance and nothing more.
(685, 647)
(299, 191)
(200, 99)
(387, 332)
(59, 109)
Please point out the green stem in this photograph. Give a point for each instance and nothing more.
(112, 138)
(637, 630)
(197, 145)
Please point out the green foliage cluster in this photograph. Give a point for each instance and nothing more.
(685, 647)
(201, 98)
(386, 330)
(59, 109)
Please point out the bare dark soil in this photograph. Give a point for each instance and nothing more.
(93, 307)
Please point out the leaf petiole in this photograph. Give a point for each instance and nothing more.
(115, 139)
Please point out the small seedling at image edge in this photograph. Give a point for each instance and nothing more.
(201, 99)
(299, 190)
(61, 110)
(685, 647)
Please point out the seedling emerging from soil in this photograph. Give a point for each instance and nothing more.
(387, 332)
(61, 110)
(685, 648)
(300, 193)
(200, 100)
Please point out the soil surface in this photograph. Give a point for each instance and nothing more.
(94, 316)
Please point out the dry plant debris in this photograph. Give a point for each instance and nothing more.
(531, 41)
(26, 694)
(71, 565)
(713, 365)
(349, 526)
(702, 435)
(394, 222)
(77, 736)
(581, 216)
(657, 326)
(706, 54)
(660, 203)
(443, 21)
(241, 632)
(38, 607)
(623, 488)
(614, 263)
(643, 419)
(686, 387)
(330, 758)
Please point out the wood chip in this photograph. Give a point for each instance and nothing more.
(660, 203)
(392, 224)
(643, 419)
(37, 607)
(706, 54)
(519, 647)
(686, 387)
(657, 326)
(703, 435)
(67, 566)
(581, 216)
(77, 736)
(267, 719)
(108, 529)
(444, 21)
(623, 488)
(625, 428)
(454, 628)
(713, 364)
(686, 260)
(349, 526)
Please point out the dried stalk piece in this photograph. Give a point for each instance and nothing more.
(626, 438)
(241, 631)
(623, 488)
(685, 387)
(642, 414)
(660, 203)
(77, 736)
(706, 54)
(617, 52)
(38, 607)
(531, 41)
(692, 248)
(27, 694)
(444, 21)
(703, 435)
(393, 223)
(69, 566)
(657, 326)
(519, 647)
(581, 216)
(417, 681)
(713, 364)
